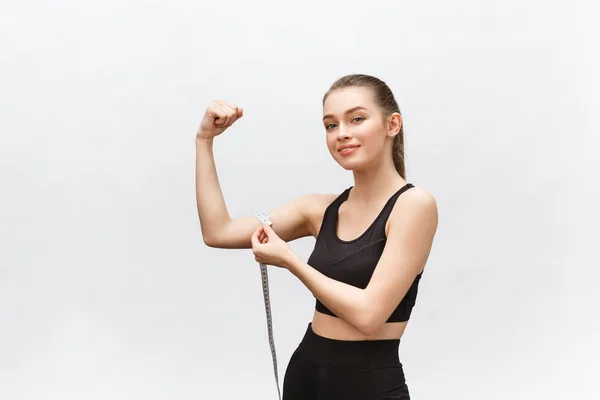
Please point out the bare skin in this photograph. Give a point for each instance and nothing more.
(375, 180)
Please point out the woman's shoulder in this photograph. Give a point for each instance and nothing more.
(316, 203)
(417, 202)
(418, 194)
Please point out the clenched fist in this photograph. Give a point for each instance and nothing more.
(219, 116)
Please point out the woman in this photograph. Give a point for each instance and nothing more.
(372, 244)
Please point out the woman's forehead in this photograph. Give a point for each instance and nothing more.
(341, 100)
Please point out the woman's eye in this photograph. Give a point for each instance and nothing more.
(329, 126)
(357, 119)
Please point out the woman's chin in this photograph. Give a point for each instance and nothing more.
(349, 165)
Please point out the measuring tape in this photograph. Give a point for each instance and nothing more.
(265, 219)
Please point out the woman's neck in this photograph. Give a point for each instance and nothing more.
(374, 185)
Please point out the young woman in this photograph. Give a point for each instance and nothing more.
(372, 244)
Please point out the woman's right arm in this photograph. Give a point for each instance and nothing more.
(290, 221)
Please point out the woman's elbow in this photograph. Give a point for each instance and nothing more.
(369, 324)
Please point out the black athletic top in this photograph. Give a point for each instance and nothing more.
(354, 261)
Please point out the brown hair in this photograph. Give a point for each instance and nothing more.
(387, 102)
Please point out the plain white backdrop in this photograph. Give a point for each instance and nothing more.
(106, 288)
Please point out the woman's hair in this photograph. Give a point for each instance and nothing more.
(386, 101)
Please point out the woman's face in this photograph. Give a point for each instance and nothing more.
(352, 117)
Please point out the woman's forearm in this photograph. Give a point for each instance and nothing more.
(346, 301)
(212, 210)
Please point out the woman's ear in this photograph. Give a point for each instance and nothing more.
(395, 124)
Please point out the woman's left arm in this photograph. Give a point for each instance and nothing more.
(412, 227)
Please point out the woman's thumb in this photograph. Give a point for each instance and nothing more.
(268, 228)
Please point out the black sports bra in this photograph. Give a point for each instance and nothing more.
(354, 261)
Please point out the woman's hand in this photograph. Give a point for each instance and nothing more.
(219, 116)
(270, 249)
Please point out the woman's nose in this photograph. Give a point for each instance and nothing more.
(343, 131)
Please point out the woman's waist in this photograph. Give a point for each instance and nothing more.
(349, 353)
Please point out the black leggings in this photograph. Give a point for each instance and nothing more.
(329, 369)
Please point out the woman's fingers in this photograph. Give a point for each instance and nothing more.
(236, 111)
(230, 113)
(264, 237)
(219, 116)
(260, 235)
(221, 112)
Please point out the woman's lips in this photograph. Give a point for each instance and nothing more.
(348, 150)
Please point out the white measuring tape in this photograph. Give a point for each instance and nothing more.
(264, 218)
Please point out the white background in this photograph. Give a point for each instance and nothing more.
(106, 288)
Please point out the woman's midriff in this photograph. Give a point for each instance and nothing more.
(336, 328)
